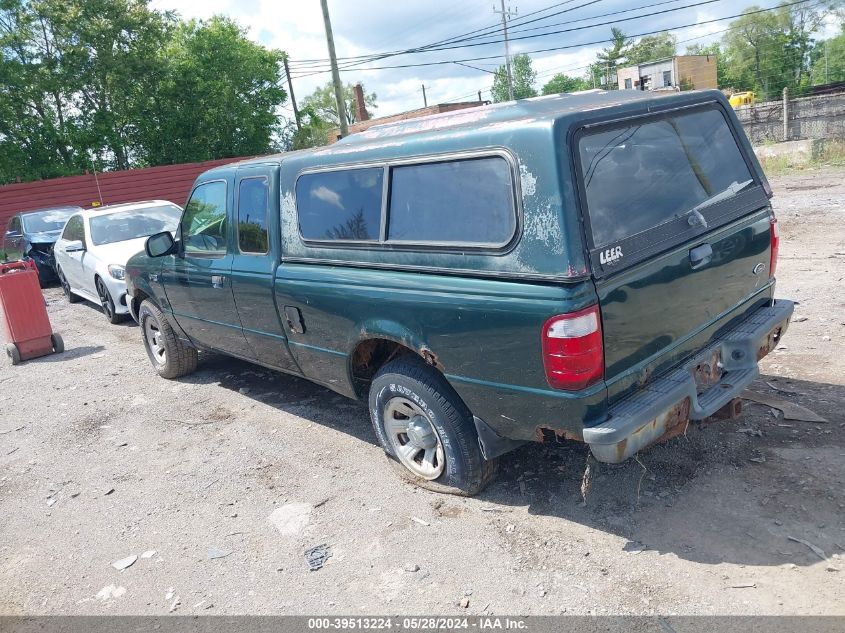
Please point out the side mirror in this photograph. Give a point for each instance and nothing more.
(160, 244)
(75, 246)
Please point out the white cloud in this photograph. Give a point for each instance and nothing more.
(365, 27)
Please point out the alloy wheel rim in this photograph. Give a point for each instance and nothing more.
(414, 439)
(104, 298)
(152, 335)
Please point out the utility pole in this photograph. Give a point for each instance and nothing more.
(292, 98)
(425, 101)
(338, 87)
(506, 15)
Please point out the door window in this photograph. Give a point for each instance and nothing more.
(252, 216)
(203, 225)
(74, 230)
(15, 225)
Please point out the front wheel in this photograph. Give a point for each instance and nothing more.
(170, 356)
(107, 302)
(426, 430)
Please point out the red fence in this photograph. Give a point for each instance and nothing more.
(168, 182)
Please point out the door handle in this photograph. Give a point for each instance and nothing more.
(218, 281)
(296, 323)
(700, 256)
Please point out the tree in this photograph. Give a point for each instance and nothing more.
(313, 131)
(766, 52)
(829, 60)
(216, 96)
(71, 68)
(564, 83)
(112, 84)
(754, 48)
(650, 48)
(323, 103)
(603, 71)
(523, 80)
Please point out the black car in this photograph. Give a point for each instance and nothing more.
(32, 234)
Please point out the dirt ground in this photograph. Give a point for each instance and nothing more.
(229, 475)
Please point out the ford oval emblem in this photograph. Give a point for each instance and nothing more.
(759, 268)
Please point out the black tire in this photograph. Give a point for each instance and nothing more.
(58, 343)
(179, 359)
(71, 298)
(466, 472)
(13, 353)
(107, 303)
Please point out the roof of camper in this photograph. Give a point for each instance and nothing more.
(539, 109)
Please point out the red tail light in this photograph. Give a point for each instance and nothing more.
(573, 350)
(775, 244)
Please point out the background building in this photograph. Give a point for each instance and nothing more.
(682, 72)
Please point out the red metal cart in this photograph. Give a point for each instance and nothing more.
(23, 314)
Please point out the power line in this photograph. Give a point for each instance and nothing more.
(684, 41)
(494, 27)
(571, 46)
(359, 59)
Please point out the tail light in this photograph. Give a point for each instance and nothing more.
(573, 350)
(775, 244)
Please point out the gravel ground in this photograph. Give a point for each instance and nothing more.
(219, 482)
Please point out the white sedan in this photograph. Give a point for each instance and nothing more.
(95, 245)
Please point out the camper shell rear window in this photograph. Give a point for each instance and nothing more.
(650, 183)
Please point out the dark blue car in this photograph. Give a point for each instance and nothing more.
(32, 234)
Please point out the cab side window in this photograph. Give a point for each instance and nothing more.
(203, 225)
(74, 230)
(252, 216)
(15, 225)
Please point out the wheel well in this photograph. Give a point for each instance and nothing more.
(372, 354)
(137, 299)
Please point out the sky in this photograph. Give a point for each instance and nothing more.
(367, 27)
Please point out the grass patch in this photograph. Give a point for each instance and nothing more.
(830, 153)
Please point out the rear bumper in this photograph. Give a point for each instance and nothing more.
(654, 411)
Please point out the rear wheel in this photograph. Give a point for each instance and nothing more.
(426, 430)
(58, 343)
(170, 356)
(71, 298)
(13, 353)
(107, 302)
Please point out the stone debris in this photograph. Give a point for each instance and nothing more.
(291, 518)
(215, 552)
(125, 563)
(110, 592)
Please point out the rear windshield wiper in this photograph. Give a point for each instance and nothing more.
(694, 214)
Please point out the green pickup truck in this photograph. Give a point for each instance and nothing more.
(595, 267)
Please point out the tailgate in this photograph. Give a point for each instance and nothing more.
(678, 226)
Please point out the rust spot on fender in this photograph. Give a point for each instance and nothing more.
(430, 358)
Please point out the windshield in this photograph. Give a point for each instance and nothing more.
(134, 223)
(47, 221)
(646, 174)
